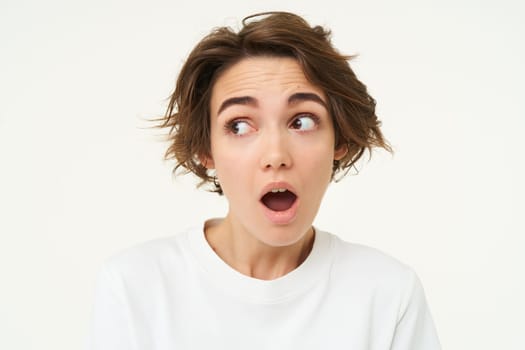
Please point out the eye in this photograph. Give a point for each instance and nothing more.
(304, 122)
(238, 127)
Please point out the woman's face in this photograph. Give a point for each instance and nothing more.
(272, 146)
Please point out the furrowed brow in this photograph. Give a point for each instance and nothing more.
(242, 100)
(306, 96)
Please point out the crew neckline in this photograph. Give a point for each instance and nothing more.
(253, 290)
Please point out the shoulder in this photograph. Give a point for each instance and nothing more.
(386, 288)
(365, 257)
(376, 279)
(149, 258)
(370, 268)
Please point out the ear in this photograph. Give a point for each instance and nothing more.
(340, 152)
(207, 162)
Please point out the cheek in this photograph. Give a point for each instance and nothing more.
(319, 158)
(232, 169)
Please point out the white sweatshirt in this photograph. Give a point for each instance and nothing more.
(176, 293)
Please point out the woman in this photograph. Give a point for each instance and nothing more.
(268, 116)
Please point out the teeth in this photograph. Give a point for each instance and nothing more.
(275, 190)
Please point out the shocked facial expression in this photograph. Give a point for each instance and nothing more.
(272, 147)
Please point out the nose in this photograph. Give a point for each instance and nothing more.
(275, 152)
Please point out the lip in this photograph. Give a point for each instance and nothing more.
(278, 184)
(280, 217)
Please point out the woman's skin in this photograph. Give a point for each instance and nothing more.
(270, 130)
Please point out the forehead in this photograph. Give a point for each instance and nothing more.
(261, 76)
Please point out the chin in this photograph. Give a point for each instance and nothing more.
(283, 235)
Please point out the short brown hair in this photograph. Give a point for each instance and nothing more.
(275, 34)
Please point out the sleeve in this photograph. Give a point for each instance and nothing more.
(415, 328)
(110, 324)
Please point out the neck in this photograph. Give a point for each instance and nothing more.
(252, 257)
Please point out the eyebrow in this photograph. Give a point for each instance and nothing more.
(242, 100)
(306, 96)
(251, 101)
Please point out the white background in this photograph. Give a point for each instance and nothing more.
(82, 176)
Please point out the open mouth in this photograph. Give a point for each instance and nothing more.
(279, 199)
